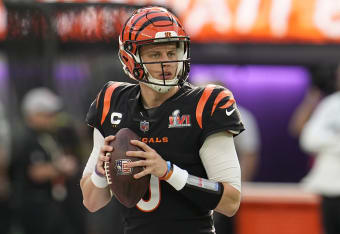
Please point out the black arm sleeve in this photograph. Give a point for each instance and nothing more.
(202, 192)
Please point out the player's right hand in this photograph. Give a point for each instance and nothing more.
(104, 154)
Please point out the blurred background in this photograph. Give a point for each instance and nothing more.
(278, 57)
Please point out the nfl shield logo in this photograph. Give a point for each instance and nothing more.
(144, 126)
(121, 167)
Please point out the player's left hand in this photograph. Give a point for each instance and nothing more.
(153, 163)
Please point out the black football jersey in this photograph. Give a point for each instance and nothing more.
(176, 130)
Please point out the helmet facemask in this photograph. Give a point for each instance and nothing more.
(141, 72)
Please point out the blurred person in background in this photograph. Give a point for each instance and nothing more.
(321, 137)
(322, 79)
(5, 214)
(45, 168)
(248, 145)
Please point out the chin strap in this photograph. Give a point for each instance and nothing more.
(161, 88)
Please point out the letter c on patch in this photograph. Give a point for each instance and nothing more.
(116, 117)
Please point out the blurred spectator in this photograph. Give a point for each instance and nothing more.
(4, 178)
(321, 84)
(248, 145)
(321, 137)
(45, 168)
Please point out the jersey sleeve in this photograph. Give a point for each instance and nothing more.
(91, 116)
(219, 112)
(94, 114)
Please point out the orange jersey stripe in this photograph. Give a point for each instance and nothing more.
(107, 100)
(228, 104)
(201, 103)
(220, 96)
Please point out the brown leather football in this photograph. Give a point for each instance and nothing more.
(125, 188)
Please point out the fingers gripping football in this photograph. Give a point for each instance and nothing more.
(152, 162)
(104, 154)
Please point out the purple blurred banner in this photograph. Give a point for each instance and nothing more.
(4, 79)
(271, 93)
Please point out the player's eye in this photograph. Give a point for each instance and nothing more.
(172, 54)
(154, 55)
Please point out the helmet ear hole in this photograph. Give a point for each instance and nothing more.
(128, 47)
(138, 73)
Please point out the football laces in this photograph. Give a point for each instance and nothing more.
(106, 168)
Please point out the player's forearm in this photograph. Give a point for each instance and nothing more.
(230, 201)
(94, 198)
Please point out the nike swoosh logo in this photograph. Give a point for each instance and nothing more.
(228, 113)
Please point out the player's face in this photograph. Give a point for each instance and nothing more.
(160, 53)
(42, 121)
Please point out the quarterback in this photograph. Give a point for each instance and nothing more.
(186, 133)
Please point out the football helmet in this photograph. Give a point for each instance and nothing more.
(153, 25)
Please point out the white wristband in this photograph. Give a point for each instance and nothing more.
(99, 182)
(178, 179)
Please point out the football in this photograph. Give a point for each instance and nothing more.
(124, 187)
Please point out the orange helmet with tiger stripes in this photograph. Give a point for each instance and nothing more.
(153, 25)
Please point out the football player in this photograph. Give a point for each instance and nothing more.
(186, 133)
